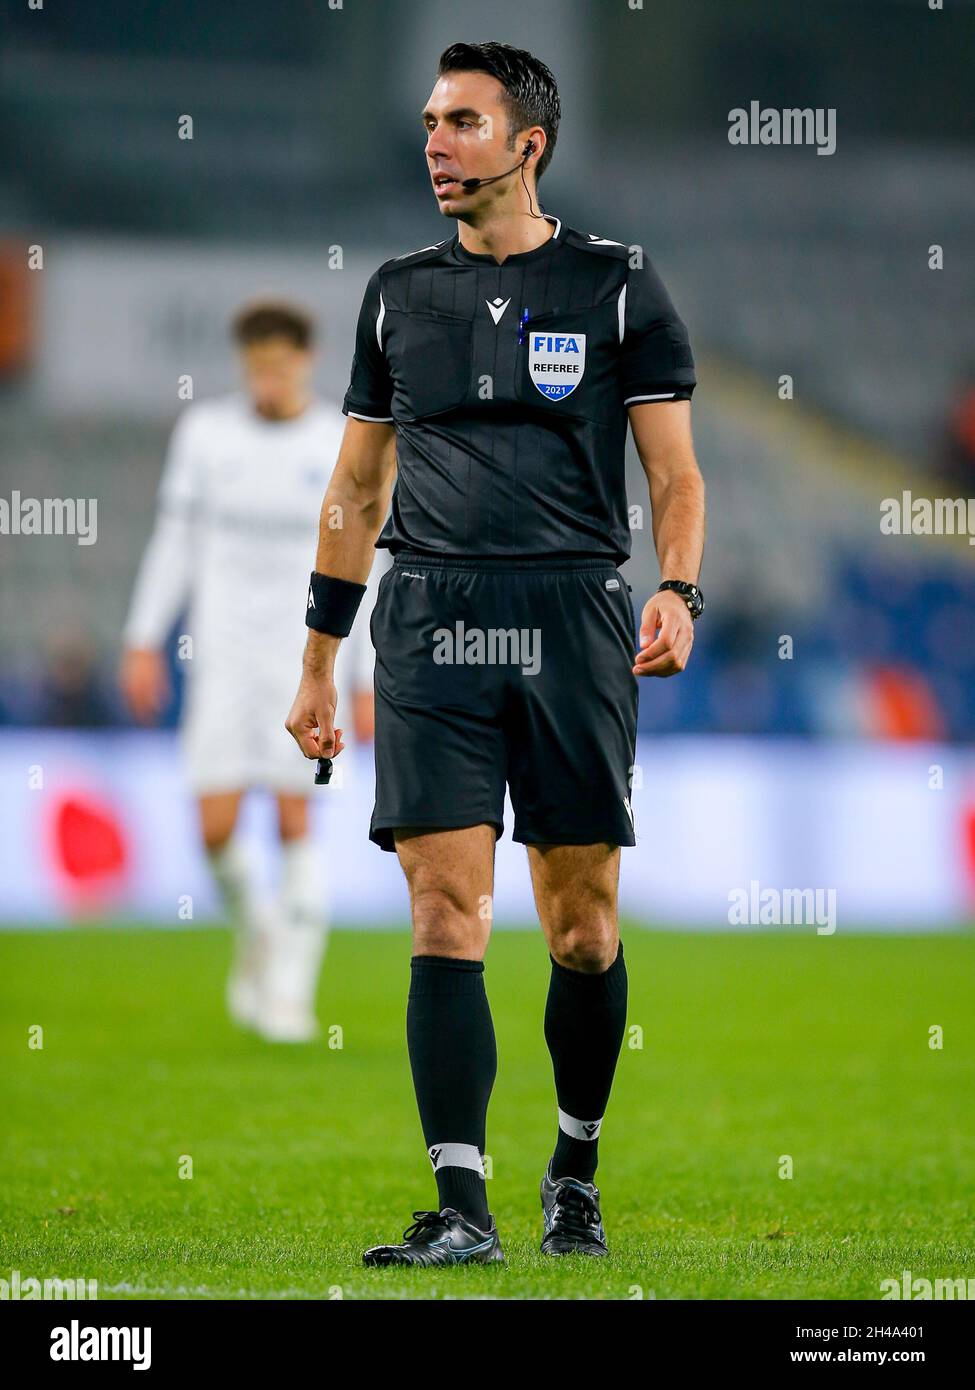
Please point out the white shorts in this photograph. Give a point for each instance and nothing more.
(233, 735)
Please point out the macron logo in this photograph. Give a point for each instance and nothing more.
(497, 307)
(311, 601)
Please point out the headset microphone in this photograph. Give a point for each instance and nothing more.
(480, 183)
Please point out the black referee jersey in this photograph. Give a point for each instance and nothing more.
(508, 387)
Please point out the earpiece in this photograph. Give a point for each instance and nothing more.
(470, 184)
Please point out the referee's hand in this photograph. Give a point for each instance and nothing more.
(311, 722)
(666, 636)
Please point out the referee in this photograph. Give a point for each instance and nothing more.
(494, 374)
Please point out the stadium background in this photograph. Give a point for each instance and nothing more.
(303, 173)
(847, 767)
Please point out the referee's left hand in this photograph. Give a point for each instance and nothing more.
(666, 636)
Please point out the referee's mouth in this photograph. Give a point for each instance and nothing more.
(446, 186)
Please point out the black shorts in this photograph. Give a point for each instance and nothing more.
(490, 672)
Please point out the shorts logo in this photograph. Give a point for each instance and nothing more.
(629, 810)
(556, 362)
(612, 583)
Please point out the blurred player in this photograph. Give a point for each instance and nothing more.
(242, 483)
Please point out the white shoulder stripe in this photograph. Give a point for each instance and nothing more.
(421, 249)
(603, 240)
(621, 311)
(379, 322)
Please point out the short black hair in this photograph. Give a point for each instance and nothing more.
(273, 318)
(531, 93)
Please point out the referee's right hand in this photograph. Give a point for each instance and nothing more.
(311, 722)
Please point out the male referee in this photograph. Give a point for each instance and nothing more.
(494, 374)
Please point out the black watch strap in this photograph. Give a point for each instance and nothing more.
(690, 593)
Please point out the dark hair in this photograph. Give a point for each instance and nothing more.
(255, 323)
(531, 94)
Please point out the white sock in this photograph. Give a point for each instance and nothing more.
(302, 889)
(249, 918)
(299, 938)
(232, 873)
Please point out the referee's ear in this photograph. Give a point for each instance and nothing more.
(536, 137)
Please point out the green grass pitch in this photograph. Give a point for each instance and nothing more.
(753, 1047)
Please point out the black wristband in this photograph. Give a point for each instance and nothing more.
(332, 604)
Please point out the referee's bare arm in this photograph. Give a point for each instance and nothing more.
(353, 511)
(662, 434)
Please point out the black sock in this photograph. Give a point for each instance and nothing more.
(453, 1055)
(585, 1018)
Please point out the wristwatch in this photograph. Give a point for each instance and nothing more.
(690, 593)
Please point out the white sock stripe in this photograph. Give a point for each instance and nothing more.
(456, 1156)
(579, 1129)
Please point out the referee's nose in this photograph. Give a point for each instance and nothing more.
(438, 147)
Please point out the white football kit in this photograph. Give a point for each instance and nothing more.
(235, 536)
